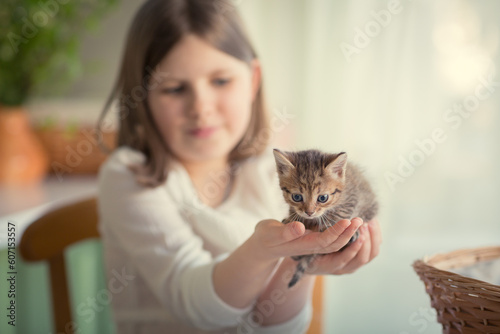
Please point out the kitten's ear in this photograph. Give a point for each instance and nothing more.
(282, 162)
(338, 165)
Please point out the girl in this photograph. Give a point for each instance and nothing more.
(188, 200)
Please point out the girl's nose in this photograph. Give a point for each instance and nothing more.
(202, 104)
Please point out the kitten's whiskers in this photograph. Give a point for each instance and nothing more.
(294, 217)
(325, 222)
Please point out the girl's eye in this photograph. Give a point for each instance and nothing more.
(322, 198)
(221, 82)
(297, 197)
(173, 90)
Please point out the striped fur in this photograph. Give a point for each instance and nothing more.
(312, 175)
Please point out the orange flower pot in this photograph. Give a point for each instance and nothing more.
(23, 159)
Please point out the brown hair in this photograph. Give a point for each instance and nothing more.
(155, 30)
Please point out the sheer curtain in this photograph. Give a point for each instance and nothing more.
(410, 89)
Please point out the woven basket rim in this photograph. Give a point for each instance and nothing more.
(463, 304)
(467, 256)
(438, 263)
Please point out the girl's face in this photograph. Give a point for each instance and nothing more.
(202, 104)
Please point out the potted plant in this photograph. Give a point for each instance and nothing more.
(39, 56)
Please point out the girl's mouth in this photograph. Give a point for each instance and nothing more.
(203, 132)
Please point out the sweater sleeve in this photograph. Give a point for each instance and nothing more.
(148, 229)
(296, 325)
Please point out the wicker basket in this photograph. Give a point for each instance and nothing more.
(464, 305)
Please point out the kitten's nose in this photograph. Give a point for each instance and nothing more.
(310, 213)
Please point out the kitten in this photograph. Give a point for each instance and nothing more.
(322, 189)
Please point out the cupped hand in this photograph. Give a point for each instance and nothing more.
(272, 239)
(359, 253)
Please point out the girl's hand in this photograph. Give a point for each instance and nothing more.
(253, 263)
(352, 257)
(273, 240)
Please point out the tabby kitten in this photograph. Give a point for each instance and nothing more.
(322, 189)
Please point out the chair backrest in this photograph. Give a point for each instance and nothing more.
(47, 238)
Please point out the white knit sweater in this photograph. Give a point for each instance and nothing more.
(161, 244)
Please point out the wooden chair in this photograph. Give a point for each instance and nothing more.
(316, 326)
(48, 237)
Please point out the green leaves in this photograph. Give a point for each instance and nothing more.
(39, 44)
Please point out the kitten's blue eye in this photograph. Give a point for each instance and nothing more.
(297, 197)
(322, 198)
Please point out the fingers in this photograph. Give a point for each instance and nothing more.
(337, 236)
(328, 241)
(371, 237)
(363, 256)
(354, 256)
(273, 233)
(335, 263)
(293, 239)
(376, 237)
(292, 231)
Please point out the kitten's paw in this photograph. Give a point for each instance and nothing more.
(354, 238)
